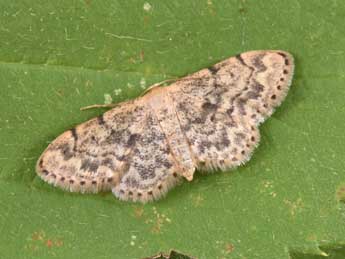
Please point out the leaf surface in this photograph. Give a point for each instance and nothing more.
(58, 56)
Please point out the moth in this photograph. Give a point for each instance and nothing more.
(143, 147)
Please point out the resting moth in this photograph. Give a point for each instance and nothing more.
(142, 148)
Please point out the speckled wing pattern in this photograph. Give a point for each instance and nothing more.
(142, 148)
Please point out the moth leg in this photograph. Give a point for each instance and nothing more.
(157, 85)
(110, 105)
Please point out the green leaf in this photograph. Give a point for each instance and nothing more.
(58, 56)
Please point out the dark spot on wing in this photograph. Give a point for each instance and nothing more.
(241, 103)
(253, 95)
(162, 162)
(108, 162)
(239, 137)
(89, 165)
(230, 111)
(240, 59)
(116, 136)
(224, 141)
(282, 54)
(213, 70)
(257, 87)
(75, 137)
(199, 120)
(146, 172)
(258, 64)
(209, 107)
(285, 58)
(131, 182)
(132, 139)
(100, 120)
(66, 151)
(121, 158)
(204, 144)
(40, 163)
(74, 134)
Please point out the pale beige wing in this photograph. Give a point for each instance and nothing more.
(124, 150)
(220, 108)
(151, 170)
(92, 156)
(270, 78)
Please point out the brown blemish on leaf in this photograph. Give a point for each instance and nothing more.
(211, 8)
(49, 243)
(103, 194)
(229, 248)
(138, 212)
(312, 237)
(146, 20)
(197, 200)
(58, 243)
(60, 92)
(268, 188)
(132, 60)
(158, 221)
(40, 240)
(242, 10)
(31, 247)
(294, 206)
(142, 55)
(38, 235)
(158, 224)
(340, 193)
